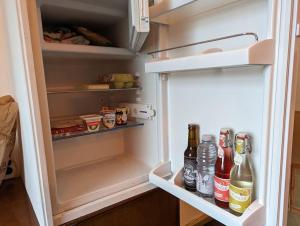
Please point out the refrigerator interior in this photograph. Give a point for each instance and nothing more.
(234, 97)
(94, 166)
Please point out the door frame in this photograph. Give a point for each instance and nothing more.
(282, 109)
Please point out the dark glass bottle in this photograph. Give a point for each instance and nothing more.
(190, 158)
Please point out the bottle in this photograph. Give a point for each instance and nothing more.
(223, 166)
(241, 176)
(206, 160)
(190, 156)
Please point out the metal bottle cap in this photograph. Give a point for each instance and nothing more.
(226, 137)
(242, 142)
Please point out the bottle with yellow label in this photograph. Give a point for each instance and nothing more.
(241, 176)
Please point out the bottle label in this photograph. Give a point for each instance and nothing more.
(205, 183)
(220, 152)
(239, 198)
(238, 159)
(189, 173)
(221, 189)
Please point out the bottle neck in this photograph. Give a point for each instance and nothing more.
(193, 140)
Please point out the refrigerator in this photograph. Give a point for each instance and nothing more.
(217, 63)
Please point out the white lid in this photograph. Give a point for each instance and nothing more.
(206, 137)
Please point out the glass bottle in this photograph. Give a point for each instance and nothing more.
(190, 156)
(223, 166)
(241, 176)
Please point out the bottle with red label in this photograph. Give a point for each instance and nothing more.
(223, 166)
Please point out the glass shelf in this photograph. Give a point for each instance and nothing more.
(65, 91)
(130, 124)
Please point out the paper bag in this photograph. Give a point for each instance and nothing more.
(8, 124)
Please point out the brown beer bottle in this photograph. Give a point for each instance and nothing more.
(190, 158)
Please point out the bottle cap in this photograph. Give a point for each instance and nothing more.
(193, 125)
(242, 143)
(206, 137)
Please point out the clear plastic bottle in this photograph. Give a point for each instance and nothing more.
(206, 160)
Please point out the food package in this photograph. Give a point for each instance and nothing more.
(96, 39)
(121, 115)
(93, 122)
(109, 117)
(67, 127)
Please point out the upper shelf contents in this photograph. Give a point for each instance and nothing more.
(63, 90)
(74, 35)
(260, 53)
(110, 82)
(171, 11)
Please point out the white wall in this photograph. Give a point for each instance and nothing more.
(6, 86)
(6, 81)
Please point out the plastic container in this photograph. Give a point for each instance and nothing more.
(206, 159)
(109, 118)
(121, 115)
(93, 122)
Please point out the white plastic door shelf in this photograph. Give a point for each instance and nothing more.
(254, 215)
(172, 11)
(260, 53)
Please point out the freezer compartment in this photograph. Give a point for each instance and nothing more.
(98, 29)
(163, 177)
(82, 184)
(108, 19)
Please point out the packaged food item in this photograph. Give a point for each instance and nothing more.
(93, 122)
(95, 38)
(98, 86)
(61, 127)
(109, 117)
(121, 81)
(121, 115)
(128, 84)
(122, 78)
(119, 85)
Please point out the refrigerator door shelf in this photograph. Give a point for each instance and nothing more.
(172, 11)
(254, 215)
(260, 53)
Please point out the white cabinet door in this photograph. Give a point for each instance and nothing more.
(138, 16)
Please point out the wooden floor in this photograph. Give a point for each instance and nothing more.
(153, 208)
(15, 208)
